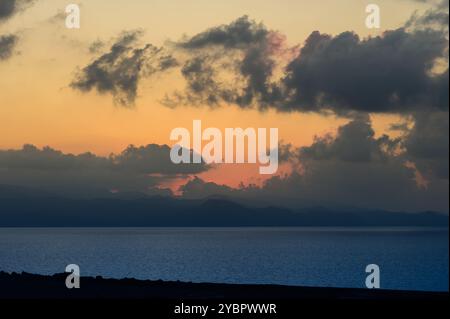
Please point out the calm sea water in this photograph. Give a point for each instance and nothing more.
(415, 259)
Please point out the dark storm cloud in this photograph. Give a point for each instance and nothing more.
(239, 34)
(427, 144)
(202, 85)
(430, 18)
(436, 17)
(402, 71)
(197, 188)
(7, 45)
(199, 75)
(246, 64)
(8, 8)
(136, 169)
(355, 142)
(153, 159)
(257, 67)
(389, 73)
(352, 169)
(355, 154)
(243, 49)
(167, 62)
(119, 71)
(96, 46)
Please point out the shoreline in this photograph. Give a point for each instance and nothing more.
(31, 286)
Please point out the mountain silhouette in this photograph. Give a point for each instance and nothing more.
(22, 207)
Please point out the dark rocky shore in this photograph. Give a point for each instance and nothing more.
(29, 286)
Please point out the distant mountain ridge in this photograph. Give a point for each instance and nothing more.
(20, 207)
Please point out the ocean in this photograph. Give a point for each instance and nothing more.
(408, 258)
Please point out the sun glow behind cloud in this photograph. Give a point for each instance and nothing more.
(39, 106)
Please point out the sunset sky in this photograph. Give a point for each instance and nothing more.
(46, 98)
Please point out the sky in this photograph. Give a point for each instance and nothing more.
(362, 113)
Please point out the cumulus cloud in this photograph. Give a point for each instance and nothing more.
(353, 168)
(245, 51)
(119, 71)
(246, 64)
(9, 8)
(96, 46)
(239, 34)
(202, 85)
(136, 169)
(391, 73)
(435, 17)
(198, 188)
(427, 144)
(388, 73)
(354, 142)
(7, 45)
(153, 159)
(402, 71)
